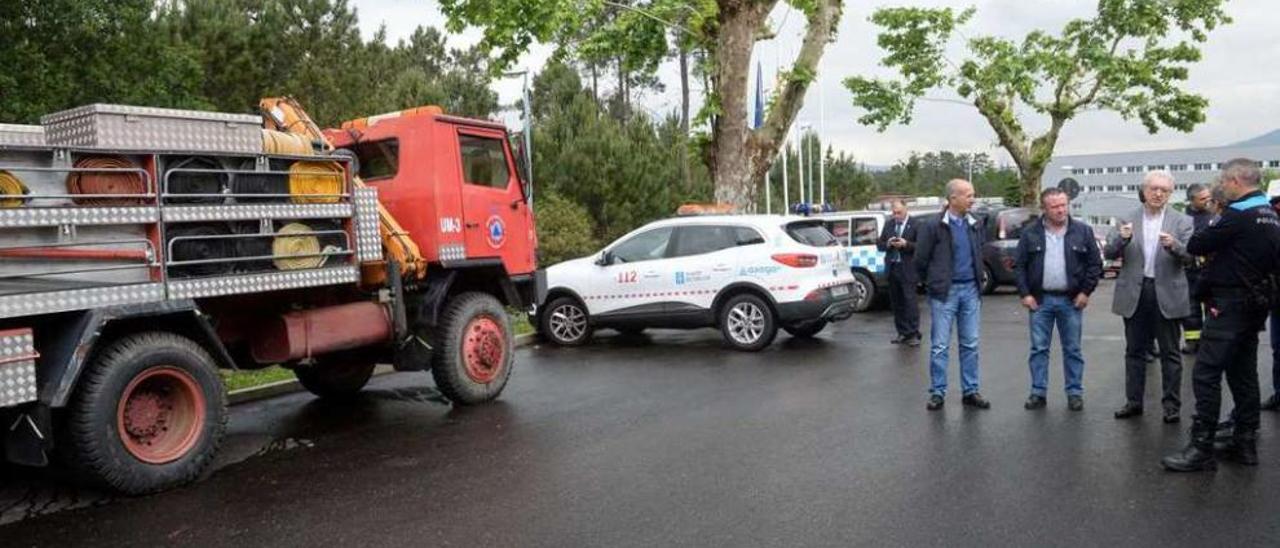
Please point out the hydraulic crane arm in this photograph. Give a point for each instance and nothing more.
(286, 115)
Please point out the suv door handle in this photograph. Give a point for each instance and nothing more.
(473, 225)
(651, 274)
(721, 268)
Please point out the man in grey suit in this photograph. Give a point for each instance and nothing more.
(1151, 292)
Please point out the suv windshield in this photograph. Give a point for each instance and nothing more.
(811, 233)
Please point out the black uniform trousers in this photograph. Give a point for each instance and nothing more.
(1229, 345)
(902, 298)
(1146, 325)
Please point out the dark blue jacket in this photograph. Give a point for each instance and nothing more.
(934, 255)
(1083, 260)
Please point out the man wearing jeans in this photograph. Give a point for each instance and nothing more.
(1057, 265)
(948, 259)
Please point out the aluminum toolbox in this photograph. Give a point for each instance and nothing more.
(124, 127)
(12, 134)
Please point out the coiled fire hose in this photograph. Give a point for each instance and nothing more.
(11, 186)
(106, 182)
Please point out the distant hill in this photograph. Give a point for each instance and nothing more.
(1264, 140)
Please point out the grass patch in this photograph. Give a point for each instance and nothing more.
(236, 380)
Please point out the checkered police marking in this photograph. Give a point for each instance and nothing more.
(867, 257)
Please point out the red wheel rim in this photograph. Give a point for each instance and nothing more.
(483, 349)
(160, 415)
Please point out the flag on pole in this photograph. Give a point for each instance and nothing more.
(759, 117)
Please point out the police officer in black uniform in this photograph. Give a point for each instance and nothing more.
(1245, 248)
(1198, 209)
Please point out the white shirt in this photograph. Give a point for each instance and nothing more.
(1054, 276)
(1151, 227)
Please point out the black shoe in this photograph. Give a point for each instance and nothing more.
(1198, 455)
(913, 341)
(1242, 448)
(1075, 403)
(1172, 416)
(1226, 430)
(1034, 402)
(935, 403)
(1129, 410)
(976, 400)
(1272, 403)
(898, 340)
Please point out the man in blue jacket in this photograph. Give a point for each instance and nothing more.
(948, 260)
(1057, 265)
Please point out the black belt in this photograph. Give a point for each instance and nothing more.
(1057, 293)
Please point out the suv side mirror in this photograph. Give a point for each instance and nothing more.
(605, 259)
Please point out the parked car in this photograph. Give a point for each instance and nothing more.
(1002, 227)
(748, 275)
(857, 232)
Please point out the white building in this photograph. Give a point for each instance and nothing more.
(1109, 183)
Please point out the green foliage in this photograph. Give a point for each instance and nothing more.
(623, 172)
(62, 53)
(1131, 58)
(225, 55)
(565, 229)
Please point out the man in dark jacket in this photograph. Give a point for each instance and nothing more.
(948, 259)
(898, 242)
(1198, 197)
(1057, 266)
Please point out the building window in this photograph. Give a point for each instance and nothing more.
(1134, 169)
(1155, 168)
(1273, 163)
(1078, 171)
(1095, 171)
(1177, 167)
(1115, 170)
(1204, 167)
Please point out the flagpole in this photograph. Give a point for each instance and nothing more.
(822, 130)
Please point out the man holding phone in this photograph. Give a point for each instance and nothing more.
(898, 242)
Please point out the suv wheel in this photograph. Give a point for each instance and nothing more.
(988, 281)
(747, 323)
(565, 322)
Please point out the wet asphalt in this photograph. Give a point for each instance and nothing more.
(671, 439)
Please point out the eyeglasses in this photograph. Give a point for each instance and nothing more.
(1160, 190)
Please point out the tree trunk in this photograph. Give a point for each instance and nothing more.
(685, 176)
(741, 157)
(730, 157)
(595, 84)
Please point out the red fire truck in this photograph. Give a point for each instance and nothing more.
(144, 249)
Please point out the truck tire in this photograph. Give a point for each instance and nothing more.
(805, 330)
(148, 414)
(747, 322)
(336, 376)
(474, 348)
(565, 322)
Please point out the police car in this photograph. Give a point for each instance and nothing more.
(857, 231)
(748, 275)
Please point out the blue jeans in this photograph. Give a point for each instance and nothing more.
(1062, 311)
(961, 307)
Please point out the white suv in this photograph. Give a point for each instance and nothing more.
(746, 274)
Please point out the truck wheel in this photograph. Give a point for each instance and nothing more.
(747, 323)
(336, 376)
(864, 292)
(805, 330)
(564, 322)
(474, 349)
(148, 414)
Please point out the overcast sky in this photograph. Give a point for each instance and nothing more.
(1239, 74)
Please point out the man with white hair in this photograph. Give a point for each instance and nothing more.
(1151, 292)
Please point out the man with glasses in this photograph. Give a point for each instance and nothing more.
(1151, 292)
